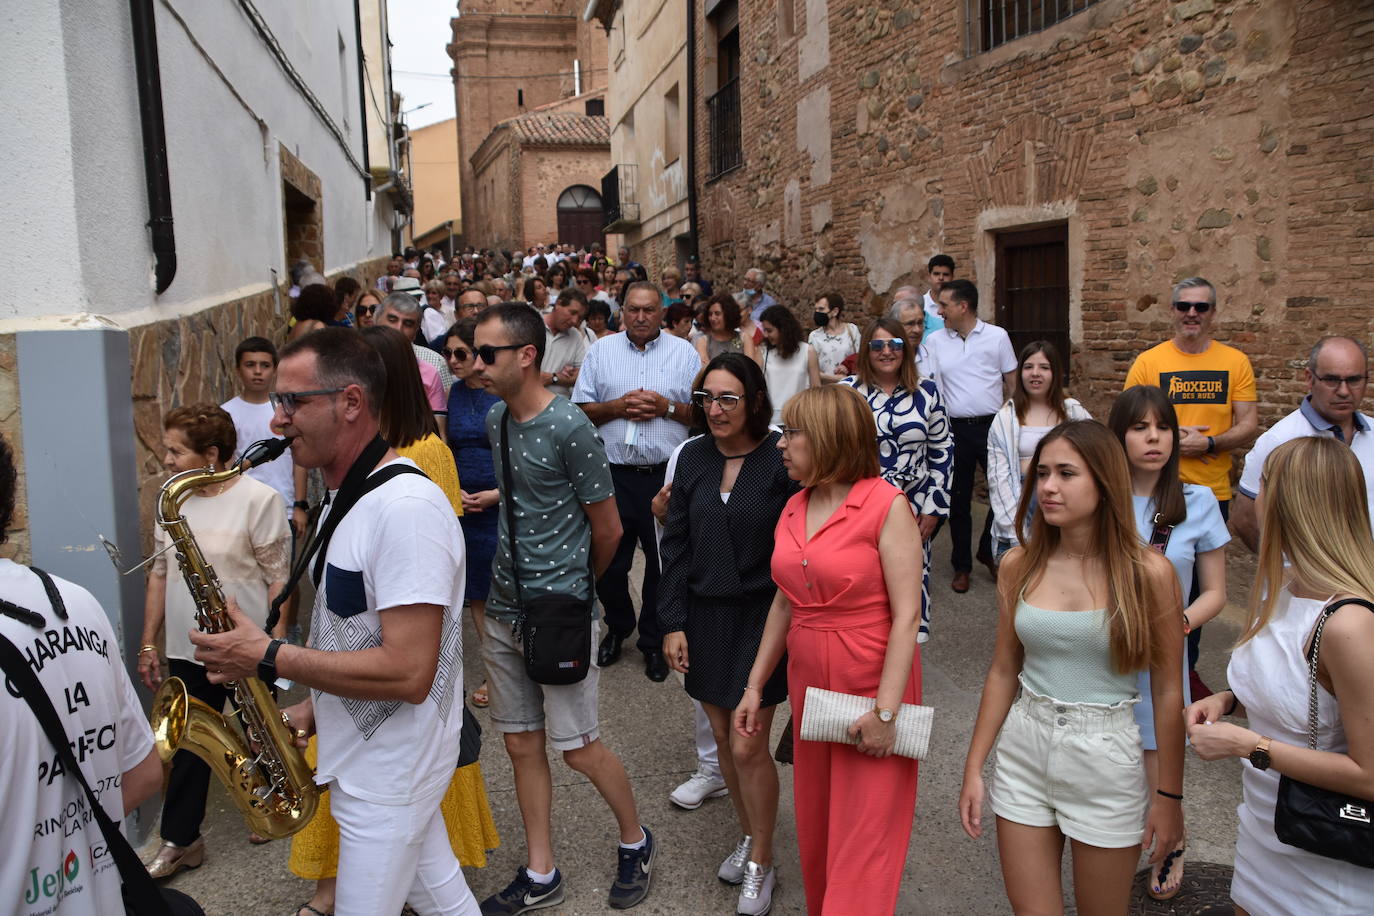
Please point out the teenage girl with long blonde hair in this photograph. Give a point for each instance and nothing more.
(1316, 549)
(1083, 606)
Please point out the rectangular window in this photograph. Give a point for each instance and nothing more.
(722, 106)
(787, 20)
(996, 22)
(672, 124)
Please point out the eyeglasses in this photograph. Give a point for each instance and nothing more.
(1334, 382)
(893, 343)
(366, 309)
(1202, 307)
(487, 353)
(457, 353)
(726, 402)
(791, 432)
(289, 401)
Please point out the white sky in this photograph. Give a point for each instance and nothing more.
(419, 64)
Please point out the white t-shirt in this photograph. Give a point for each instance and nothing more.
(437, 321)
(971, 368)
(53, 857)
(1305, 421)
(399, 545)
(253, 423)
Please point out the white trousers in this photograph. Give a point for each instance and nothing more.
(390, 855)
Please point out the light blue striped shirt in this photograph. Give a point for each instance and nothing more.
(614, 367)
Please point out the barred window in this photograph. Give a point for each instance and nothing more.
(996, 22)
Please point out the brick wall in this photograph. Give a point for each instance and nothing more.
(1217, 137)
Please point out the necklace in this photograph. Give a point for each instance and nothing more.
(1076, 556)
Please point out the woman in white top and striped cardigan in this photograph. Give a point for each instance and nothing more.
(1037, 406)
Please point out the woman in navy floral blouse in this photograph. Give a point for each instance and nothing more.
(915, 447)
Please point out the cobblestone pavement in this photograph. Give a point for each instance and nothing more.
(650, 726)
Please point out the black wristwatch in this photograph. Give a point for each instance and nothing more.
(267, 668)
(301, 504)
(1259, 757)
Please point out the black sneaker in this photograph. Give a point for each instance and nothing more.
(524, 894)
(632, 875)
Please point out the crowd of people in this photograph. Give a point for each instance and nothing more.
(507, 430)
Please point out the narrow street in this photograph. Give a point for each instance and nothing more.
(650, 727)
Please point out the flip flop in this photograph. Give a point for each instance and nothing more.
(1160, 875)
(307, 906)
(480, 698)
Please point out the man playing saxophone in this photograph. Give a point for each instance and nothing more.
(385, 661)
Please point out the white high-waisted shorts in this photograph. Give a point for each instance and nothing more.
(1075, 766)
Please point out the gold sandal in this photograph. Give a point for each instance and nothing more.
(172, 858)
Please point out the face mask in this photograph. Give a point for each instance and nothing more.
(821, 318)
(751, 293)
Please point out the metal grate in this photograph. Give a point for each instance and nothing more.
(727, 149)
(996, 22)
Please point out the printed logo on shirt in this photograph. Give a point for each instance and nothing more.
(53, 884)
(1199, 386)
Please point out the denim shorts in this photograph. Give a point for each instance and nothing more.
(1075, 766)
(567, 712)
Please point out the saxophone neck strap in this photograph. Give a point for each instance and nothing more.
(358, 482)
(139, 889)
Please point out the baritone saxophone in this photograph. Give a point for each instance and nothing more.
(258, 761)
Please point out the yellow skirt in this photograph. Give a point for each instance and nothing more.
(471, 830)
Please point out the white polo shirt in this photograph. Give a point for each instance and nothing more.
(971, 368)
(1305, 421)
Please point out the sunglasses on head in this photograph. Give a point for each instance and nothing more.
(1202, 307)
(891, 343)
(457, 353)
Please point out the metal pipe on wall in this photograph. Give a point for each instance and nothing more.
(692, 127)
(149, 78)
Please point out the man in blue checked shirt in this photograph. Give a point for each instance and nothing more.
(637, 388)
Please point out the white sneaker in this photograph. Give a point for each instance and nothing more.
(732, 869)
(697, 789)
(756, 891)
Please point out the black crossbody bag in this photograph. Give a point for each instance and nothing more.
(1321, 821)
(556, 630)
(142, 897)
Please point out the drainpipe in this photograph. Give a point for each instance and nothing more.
(692, 126)
(362, 94)
(149, 77)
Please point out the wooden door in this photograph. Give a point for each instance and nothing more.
(1033, 287)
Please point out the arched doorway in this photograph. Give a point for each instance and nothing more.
(580, 217)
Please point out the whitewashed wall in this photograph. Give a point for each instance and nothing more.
(74, 210)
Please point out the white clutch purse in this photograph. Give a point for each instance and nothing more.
(829, 714)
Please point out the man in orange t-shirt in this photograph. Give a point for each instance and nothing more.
(1212, 387)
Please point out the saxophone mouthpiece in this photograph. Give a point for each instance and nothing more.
(263, 451)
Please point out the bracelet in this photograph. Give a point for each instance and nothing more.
(753, 688)
(1235, 701)
(142, 649)
(1169, 795)
(1211, 445)
(1187, 624)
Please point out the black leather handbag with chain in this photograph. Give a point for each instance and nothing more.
(1318, 820)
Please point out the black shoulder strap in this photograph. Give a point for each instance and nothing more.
(1327, 611)
(356, 484)
(140, 893)
(508, 498)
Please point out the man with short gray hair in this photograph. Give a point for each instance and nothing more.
(756, 297)
(1212, 388)
(1337, 375)
(906, 309)
(402, 312)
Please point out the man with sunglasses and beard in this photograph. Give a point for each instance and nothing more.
(1212, 387)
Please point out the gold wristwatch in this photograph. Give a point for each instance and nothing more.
(1259, 757)
(885, 715)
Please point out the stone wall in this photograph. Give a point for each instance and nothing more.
(1214, 137)
(547, 172)
(179, 361)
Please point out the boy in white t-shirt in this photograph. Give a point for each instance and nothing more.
(255, 360)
